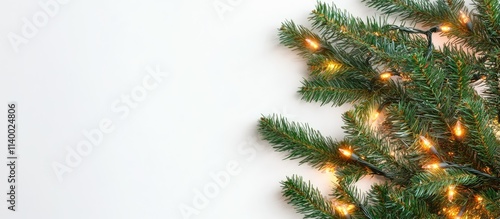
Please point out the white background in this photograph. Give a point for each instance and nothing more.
(224, 71)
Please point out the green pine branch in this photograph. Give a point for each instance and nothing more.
(431, 13)
(362, 38)
(386, 203)
(434, 183)
(299, 141)
(480, 138)
(306, 199)
(337, 90)
(366, 141)
(420, 90)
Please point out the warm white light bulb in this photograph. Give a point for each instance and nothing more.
(312, 44)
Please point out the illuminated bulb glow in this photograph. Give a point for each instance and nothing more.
(426, 142)
(445, 28)
(344, 209)
(451, 193)
(330, 169)
(431, 166)
(479, 198)
(343, 29)
(463, 17)
(375, 116)
(345, 152)
(313, 44)
(385, 76)
(458, 130)
(332, 66)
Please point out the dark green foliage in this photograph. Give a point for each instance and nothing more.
(300, 141)
(338, 90)
(430, 90)
(306, 199)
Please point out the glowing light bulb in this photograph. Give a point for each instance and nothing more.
(343, 29)
(444, 28)
(332, 66)
(451, 193)
(431, 166)
(463, 17)
(345, 152)
(385, 75)
(312, 44)
(375, 116)
(458, 129)
(479, 199)
(425, 142)
(344, 209)
(329, 169)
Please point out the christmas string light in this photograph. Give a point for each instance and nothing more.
(345, 209)
(332, 66)
(329, 168)
(429, 145)
(312, 44)
(375, 116)
(428, 33)
(465, 20)
(451, 193)
(443, 136)
(426, 143)
(385, 75)
(377, 112)
(479, 198)
(435, 166)
(458, 130)
(445, 165)
(443, 28)
(349, 154)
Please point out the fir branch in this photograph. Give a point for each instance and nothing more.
(373, 37)
(404, 123)
(293, 36)
(300, 141)
(306, 199)
(338, 90)
(488, 14)
(429, 92)
(471, 170)
(432, 183)
(406, 205)
(346, 193)
(481, 139)
(490, 200)
(386, 204)
(421, 11)
(443, 12)
(489, 10)
(375, 150)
